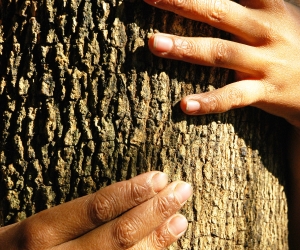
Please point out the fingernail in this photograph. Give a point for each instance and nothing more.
(177, 225)
(159, 181)
(183, 191)
(192, 106)
(162, 43)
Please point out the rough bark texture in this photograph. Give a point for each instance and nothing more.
(83, 104)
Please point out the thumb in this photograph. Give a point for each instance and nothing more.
(235, 95)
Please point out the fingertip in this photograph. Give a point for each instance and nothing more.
(190, 106)
(151, 41)
(160, 181)
(160, 43)
(177, 225)
(183, 104)
(183, 191)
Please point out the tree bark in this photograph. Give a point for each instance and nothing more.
(85, 104)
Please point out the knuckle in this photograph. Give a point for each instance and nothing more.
(223, 100)
(101, 209)
(125, 233)
(271, 89)
(220, 52)
(178, 5)
(162, 238)
(185, 47)
(217, 10)
(167, 206)
(104, 207)
(32, 236)
(212, 103)
(234, 97)
(138, 192)
(268, 33)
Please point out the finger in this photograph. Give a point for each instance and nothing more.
(8, 238)
(72, 219)
(235, 95)
(164, 235)
(263, 4)
(208, 51)
(222, 14)
(125, 231)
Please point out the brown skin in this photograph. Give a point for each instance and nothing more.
(258, 52)
(92, 222)
(265, 56)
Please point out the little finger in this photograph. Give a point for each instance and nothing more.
(234, 95)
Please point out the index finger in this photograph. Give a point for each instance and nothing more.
(73, 219)
(222, 14)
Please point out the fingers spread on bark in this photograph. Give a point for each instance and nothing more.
(129, 229)
(108, 203)
(134, 226)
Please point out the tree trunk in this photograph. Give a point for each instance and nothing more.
(83, 104)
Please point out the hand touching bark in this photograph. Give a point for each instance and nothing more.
(264, 53)
(265, 56)
(146, 207)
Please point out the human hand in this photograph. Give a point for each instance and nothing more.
(146, 207)
(264, 53)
